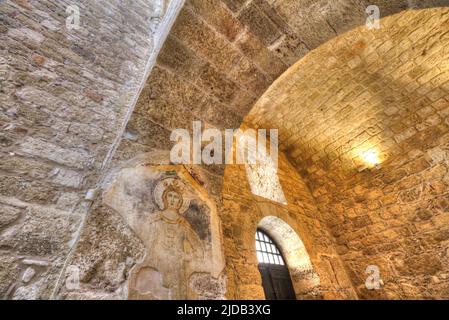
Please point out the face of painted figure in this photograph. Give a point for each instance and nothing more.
(173, 200)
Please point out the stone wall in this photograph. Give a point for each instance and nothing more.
(241, 215)
(154, 233)
(222, 55)
(65, 96)
(383, 99)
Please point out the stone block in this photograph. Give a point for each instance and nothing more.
(9, 215)
(65, 177)
(9, 274)
(259, 24)
(218, 16)
(43, 232)
(426, 264)
(80, 159)
(179, 58)
(207, 43)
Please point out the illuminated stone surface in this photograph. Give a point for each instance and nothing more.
(348, 101)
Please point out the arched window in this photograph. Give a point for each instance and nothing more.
(276, 280)
(267, 251)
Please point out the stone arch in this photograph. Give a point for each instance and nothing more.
(305, 280)
(370, 137)
(383, 70)
(194, 80)
(217, 58)
(242, 211)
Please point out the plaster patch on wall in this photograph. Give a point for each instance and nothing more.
(264, 181)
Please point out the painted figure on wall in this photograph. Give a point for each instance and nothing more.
(173, 247)
(172, 217)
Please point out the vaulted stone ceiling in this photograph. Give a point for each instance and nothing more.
(366, 94)
(221, 56)
(372, 97)
(66, 94)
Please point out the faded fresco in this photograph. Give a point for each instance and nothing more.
(173, 220)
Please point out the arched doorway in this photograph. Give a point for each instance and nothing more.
(304, 279)
(276, 280)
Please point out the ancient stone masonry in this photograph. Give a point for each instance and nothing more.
(92, 208)
(315, 267)
(382, 102)
(175, 243)
(65, 94)
(221, 56)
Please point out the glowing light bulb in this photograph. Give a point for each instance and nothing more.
(371, 158)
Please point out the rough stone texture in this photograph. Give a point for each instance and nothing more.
(31, 242)
(383, 93)
(242, 212)
(105, 253)
(221, 56)
(141, 244)
(64, 98)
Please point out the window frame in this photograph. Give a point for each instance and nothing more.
(265, 246)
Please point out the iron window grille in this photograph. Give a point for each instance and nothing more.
(267, 251)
